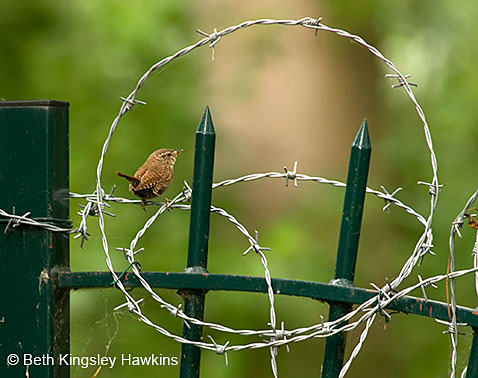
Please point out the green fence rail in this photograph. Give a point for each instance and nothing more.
(35, 261)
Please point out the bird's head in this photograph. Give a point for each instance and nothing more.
(167, 155)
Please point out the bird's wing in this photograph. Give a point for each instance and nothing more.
(163, 184)
(148, 180)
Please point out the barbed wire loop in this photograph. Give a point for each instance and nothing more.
(273, 338)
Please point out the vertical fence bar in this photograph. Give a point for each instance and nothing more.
(34, 316)
(348, 244)
(472, 369)
(198, 240)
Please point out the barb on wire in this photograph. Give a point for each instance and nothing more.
(175, 312)
(129, 103)
(15, 220)
(315, 22)
(130, 304)
(426, 248)
(91, 208)
(187, 192)
(388, 200)
(402, 79)
(432, 187)
(253, 241)
(220, 349)
(452, 327)
(127, 252)
(292, 175)
(280, 334)
(382, 291)
(423, 285)
(214, 38)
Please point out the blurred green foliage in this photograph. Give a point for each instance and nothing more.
(91, 53)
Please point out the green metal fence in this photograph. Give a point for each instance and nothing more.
(34, 305)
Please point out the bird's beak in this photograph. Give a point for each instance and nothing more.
(179, 151)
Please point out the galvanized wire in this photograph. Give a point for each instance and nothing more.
(366, 312)
(370, 307)
(297, 335)
(15, 220)
(453, 329)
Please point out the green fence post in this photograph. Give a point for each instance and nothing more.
(34, 317)
(472, 369)
(348, 244)
(198, 240)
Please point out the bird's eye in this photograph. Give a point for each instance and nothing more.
(169, 153)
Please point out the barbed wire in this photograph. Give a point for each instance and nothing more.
(366, 312)
(320, 330)
(453, 326)
(15, 220)
(323, 329)
(389, 198)
(254, 245)
(300, 334)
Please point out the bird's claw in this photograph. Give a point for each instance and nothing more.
(168, 201)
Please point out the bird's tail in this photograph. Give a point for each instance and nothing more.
(131, 179)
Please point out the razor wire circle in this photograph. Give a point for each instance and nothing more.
(385, 295)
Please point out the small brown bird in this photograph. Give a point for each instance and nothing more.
(154, 176)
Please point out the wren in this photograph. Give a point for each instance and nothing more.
(154, 176)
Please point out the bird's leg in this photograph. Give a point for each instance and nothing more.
(471, 218)
(168, 201)
(143, 203)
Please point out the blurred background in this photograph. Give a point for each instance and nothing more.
(277, 94)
